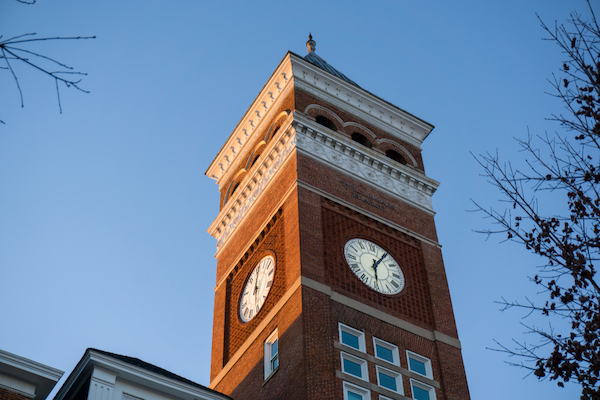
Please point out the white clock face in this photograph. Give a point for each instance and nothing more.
(257, 288)
(374, 266)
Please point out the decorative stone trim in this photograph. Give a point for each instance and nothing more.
(295, 72)
(273, 90)
(236, 209)
(359, 102)
(400, 182)
(313, 140)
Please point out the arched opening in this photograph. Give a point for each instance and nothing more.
(234, 189)
(326, 122)
(254, 161)
(361, 139)
(394, 155)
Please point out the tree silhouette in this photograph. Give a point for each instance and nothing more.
(565, 167)
(14, 51)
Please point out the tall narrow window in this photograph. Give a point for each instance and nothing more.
(271, 354)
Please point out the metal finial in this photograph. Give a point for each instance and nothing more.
(311, 44)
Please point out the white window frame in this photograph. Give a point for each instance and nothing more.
(363, 365)
(354, 332)
(424, 386)
(424, 360)
(269, 356)
(389, 346)
(393, 374)
(382, 397)
(361, 391)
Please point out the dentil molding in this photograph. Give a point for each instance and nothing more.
(317, 142)
(351, 158)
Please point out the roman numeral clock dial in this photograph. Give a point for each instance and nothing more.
(374, 266)
(257, 288)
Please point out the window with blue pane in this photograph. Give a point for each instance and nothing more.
(419, 364)
(352, 368)
(352, 337)
(271, 350)
(421, 391)
(386, 351)
(388, 382)
(420, 394)
(351, 340)
(355, 392)
(354, 396)
(388, 379)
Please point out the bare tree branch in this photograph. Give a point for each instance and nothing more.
(565, 168)
(12, 51)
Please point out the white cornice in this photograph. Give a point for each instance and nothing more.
(399, 181)
(294, 71)
(277, 86)
(28, 366)
(253, 185)
(41, 376)
(359, 102)
(123, 370)
(311, 139)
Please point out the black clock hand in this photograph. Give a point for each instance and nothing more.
(256, 285)
(375, 270)
(380, 260)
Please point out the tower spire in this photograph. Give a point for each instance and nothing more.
(311, 44)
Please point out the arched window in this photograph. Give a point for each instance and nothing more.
(358, 138)
(254, 161)
(234, 189)
(394, 155)
(326, 122)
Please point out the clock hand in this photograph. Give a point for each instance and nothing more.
(380, 260)
(375, 269)
(256, 285)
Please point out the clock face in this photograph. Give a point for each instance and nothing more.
(257, 288)
(374, 266)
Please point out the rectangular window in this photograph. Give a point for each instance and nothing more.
(419, 364)
(386, 351)
(389, 379)
(354, 366)
(271, 354)
(353, 392)
(352, 337)
(421, 391)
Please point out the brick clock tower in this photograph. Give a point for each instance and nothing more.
(330, 279)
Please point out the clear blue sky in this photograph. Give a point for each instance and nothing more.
(104, 209)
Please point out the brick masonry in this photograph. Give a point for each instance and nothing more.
(307, 234)
(6, 394)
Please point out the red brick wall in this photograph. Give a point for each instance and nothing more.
(246, 379)
(236, 331)
(405, 215)
(307, 237)
(412, 303)
(6, 394)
